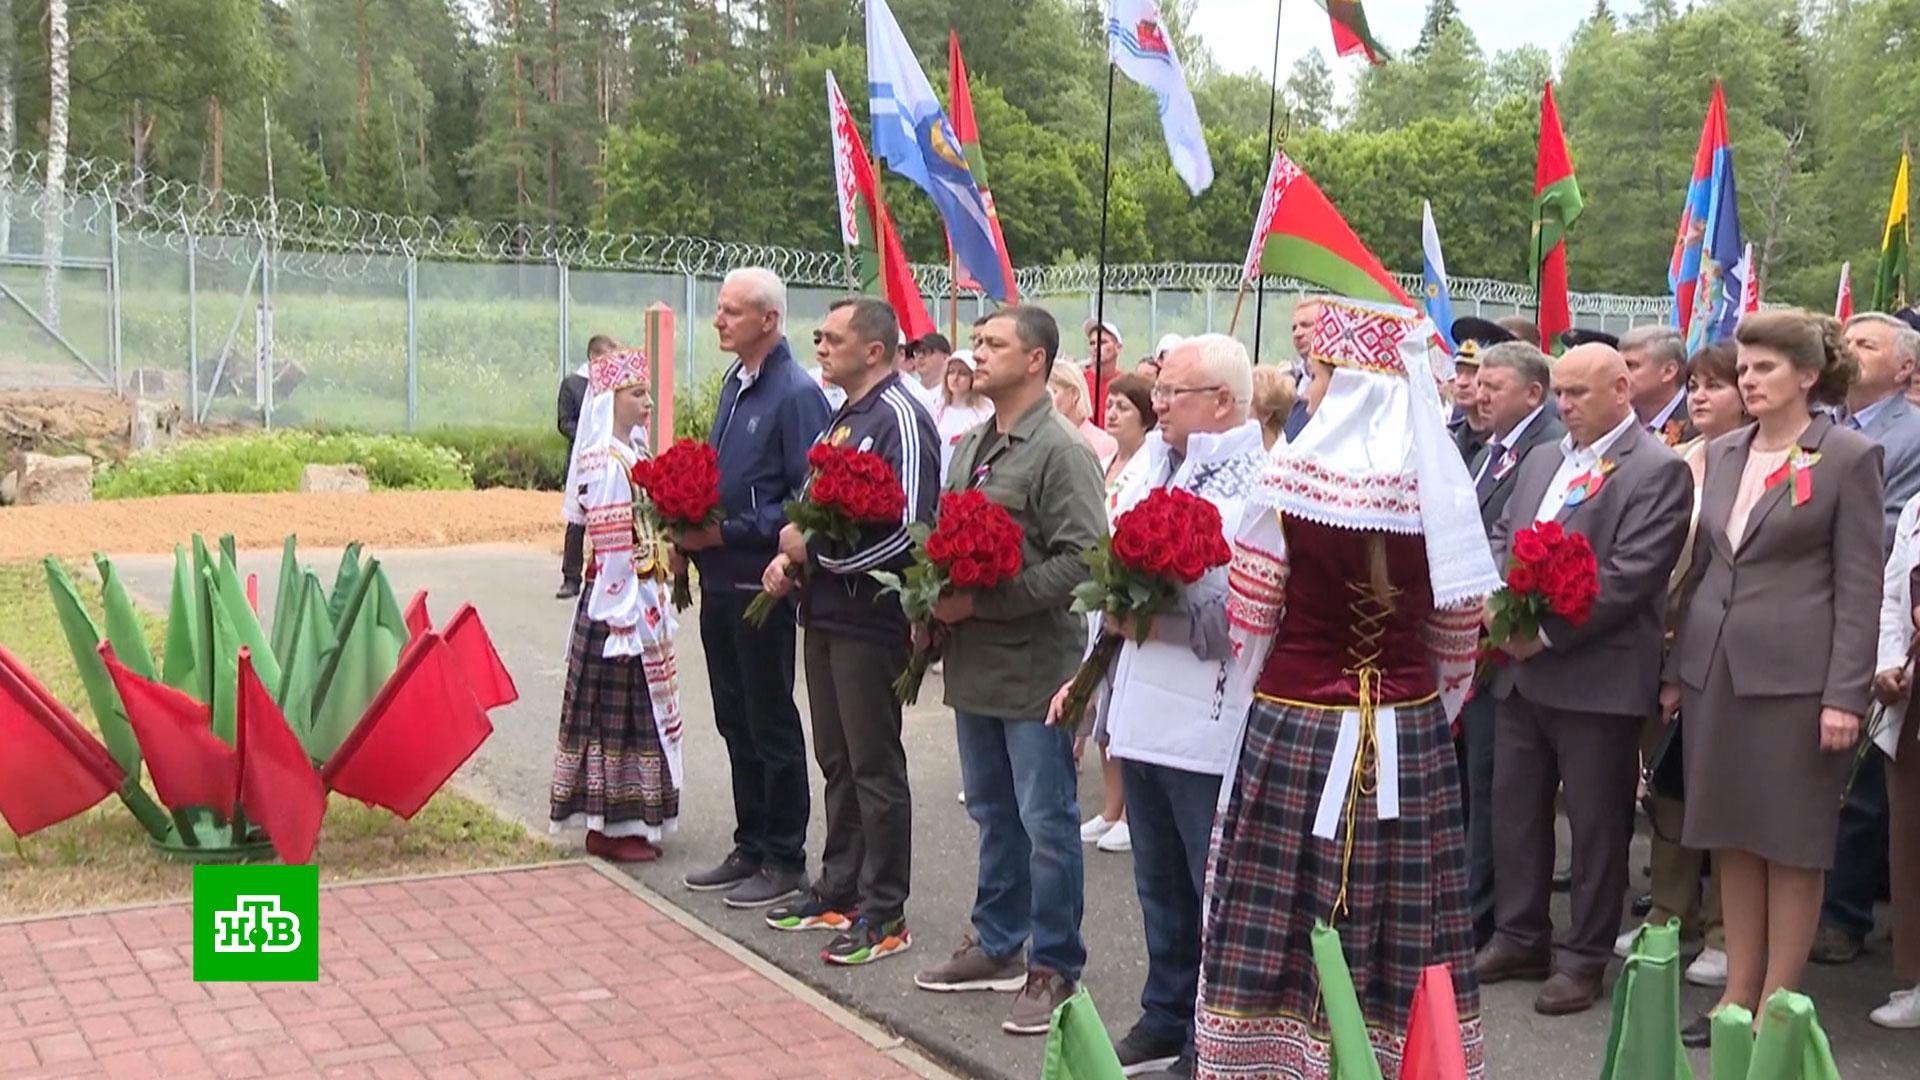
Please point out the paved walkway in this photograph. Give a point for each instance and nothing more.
(565, 970)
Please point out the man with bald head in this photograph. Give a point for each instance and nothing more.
(1571, 701)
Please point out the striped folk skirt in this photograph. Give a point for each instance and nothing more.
(1271, 879)
(609, 773)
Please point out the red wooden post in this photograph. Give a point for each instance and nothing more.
(660, 343)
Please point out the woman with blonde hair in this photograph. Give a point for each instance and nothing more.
(1774, 654)
(1273, 394)
(1068, 384)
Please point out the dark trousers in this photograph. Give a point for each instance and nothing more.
(1476, 783)
(1170, 815)
(573, 558)
(856, 739)
(750, 671)
(1595, 758)
(1860, 856)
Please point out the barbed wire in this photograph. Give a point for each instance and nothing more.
(344, 244)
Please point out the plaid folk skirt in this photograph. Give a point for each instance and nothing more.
(609, 772)
(1271, 879)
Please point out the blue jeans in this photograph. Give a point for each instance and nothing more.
(1170, 817)
(1022, 793)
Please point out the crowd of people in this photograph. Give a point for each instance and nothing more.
(1316, 737)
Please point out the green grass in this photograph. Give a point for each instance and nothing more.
(102, 857)
(272, 461)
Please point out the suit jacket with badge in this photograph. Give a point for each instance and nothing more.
(1896, 427)
(1637, 524)
(1546, 430)
(1795, 610)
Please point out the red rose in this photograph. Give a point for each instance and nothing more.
(1529, 548)
(1129, 546)
(1550, 533)
(1521, 580)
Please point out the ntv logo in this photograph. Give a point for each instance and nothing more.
(256, 924)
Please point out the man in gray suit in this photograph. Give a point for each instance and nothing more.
(1511, 390)
(1571, 702)
(1877, 407)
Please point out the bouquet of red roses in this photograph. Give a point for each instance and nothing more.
(849, 489)
(1551, 572)
(1164, 544)
(973, 544)
(682, 487)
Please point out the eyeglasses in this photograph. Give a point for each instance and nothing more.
(1169, 393)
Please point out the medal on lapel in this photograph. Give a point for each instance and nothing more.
(1798, 471)
(1508, 459)
(1588, 484)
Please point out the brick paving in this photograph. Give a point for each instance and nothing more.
(548, 972)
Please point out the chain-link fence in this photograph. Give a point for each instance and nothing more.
(284, 313)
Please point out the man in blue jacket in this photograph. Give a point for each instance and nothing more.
(768, 417)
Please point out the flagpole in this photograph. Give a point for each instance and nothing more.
(953, 294)
(1273, 99)
(1098, 405)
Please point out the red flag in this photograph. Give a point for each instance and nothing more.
(190, 765)
(478, 661)
(277, 785)
(967, 130)
(1556, 205)
(1434, 1051)
(422, 727)
(1750, 285)
(51, 768)
(1843, 304)
(865, 225)
(253, 593)
(418, 621)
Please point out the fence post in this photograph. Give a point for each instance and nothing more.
(193, 326)
(1209, 295)
(689, 379)
(565, 315)
(413, 339)
(266, 322)
(113, 295)
(1153, 313)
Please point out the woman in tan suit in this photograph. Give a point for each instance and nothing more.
(1774, 659)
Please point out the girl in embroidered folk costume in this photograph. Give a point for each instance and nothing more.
(1356, 588)
(616, 771)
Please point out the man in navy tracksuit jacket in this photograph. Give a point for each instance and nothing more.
(769, 415)
(857, 645)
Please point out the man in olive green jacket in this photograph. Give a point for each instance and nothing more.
(1007, 651)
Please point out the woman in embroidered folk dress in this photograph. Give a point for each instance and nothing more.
(1356, 591)
(616, 771)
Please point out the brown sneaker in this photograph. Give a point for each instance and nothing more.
(970, 968)
(1032, 1012)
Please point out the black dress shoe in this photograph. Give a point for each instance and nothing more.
(1699, 1034)
(568, 591)
(1563, 882)
(1642, 904)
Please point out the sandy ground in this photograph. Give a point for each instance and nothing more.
(387, 519)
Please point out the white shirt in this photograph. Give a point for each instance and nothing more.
(928, 396)
(953, 422)
(1896, 618)
(1499, 445)
(1575, 463)
(836, 397)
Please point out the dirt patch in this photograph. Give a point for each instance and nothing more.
(383, 519)
(63, 421)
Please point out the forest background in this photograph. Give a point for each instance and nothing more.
(708, 118)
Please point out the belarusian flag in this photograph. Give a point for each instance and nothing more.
(1556, 205)
(884, 270)
(1299, 234)
(967, 130)
(1890, 284)
(1350, 32)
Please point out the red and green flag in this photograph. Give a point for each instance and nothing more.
(1350, 31)
(865, 225)
(967, 130)
(1556, 205)
(1300, 234)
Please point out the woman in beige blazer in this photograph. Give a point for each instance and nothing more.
(1773, 664)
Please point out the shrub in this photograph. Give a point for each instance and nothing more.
(504, 457)
(693, 417)
(272, 461)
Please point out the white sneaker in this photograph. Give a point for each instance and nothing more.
(1118, 838)
(1901, 1012)
(1708, 969)
(1094, 828)
(1623, 945)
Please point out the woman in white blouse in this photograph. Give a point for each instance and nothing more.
(961, 407)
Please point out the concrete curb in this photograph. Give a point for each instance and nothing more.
(893, 1046)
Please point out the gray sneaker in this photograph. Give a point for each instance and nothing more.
(733, 870)
(1032, 1012)
(970, 968)
(769, 886)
